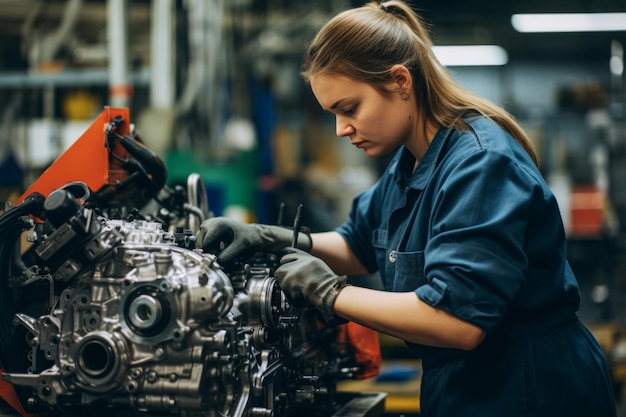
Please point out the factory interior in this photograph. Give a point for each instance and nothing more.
(213, 89)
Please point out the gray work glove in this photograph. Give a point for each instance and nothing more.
(230, 238)
(306, 279)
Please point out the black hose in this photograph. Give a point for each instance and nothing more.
(32, 204)
(148, 161)
(12, 358)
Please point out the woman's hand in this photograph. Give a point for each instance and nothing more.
(230, 238)
(306, 279)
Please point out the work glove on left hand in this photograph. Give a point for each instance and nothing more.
(307, 279)
(240, 238)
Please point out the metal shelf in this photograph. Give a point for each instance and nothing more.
(67, 78)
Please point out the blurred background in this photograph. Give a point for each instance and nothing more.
(213, 87)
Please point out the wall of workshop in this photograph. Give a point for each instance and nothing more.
(529, 86)
(530, 91)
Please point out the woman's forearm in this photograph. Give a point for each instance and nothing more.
(332, 248)
(401, 315)
(405, 316)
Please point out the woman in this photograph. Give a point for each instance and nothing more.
(463, 229)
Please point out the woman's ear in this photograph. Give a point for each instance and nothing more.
(401, 80)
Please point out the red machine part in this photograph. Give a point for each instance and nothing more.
(8, 394)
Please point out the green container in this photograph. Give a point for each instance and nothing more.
(230, 182)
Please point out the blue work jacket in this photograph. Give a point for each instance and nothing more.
(474, 230)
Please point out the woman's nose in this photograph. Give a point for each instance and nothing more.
(344, 128)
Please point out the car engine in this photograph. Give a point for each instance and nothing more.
(123, 314)
(107, 307)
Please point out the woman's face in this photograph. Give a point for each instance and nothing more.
(374, 122)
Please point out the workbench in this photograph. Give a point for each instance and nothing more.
(347, 404)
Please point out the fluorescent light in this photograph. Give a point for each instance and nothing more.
(616, 65)
(477, 55)
(569, 22)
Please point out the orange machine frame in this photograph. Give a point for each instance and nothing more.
(87, 160)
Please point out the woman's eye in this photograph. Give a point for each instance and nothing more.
(349, 111)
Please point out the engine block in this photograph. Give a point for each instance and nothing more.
(138, 320)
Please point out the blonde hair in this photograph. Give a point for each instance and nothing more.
(365, 42)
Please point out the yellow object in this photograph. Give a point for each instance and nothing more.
(80, 105)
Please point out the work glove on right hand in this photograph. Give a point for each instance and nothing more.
(240, 238)
(306, 279)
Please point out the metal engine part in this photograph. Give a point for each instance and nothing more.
(138, 320)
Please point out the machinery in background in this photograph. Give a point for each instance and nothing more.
(109, 308)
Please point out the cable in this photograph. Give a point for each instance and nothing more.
(12, 225)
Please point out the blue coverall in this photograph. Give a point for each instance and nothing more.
(475, 231)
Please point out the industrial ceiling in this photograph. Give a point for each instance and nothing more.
(451, 21)
(489, 22)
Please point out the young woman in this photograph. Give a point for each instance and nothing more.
(464, 231)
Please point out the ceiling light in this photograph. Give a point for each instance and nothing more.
(569, 22)
(476, 55)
